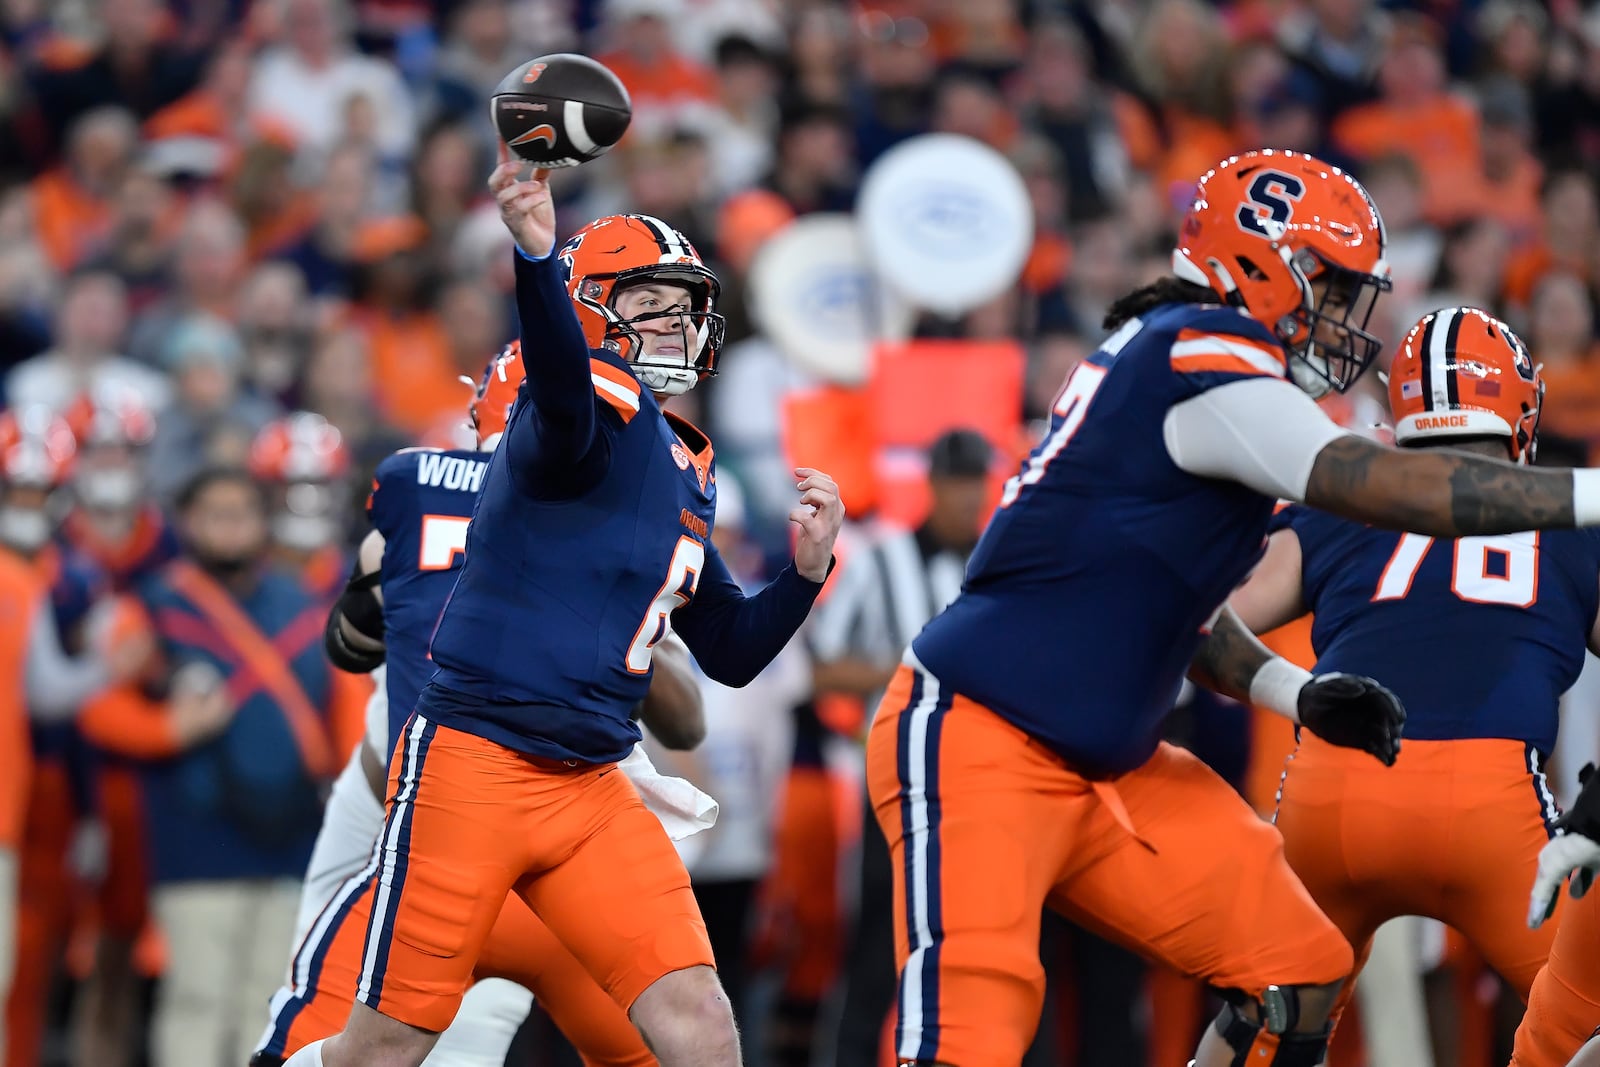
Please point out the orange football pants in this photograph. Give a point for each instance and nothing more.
(1452, 831)
(328, 965)
(986, 826)
(470, 821)
(1564, 1006)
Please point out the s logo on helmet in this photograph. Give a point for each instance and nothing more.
(533, 73)
(1272, 199)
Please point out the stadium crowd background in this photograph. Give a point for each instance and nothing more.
(232, 211)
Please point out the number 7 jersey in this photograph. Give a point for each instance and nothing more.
(1478, 636)
(1087, 594)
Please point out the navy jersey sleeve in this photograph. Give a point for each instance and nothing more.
(558, 444)
(1216, 346)
(734, 637)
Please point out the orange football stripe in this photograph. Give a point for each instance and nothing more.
(1272, 352)
(612, 374)
(1218, 363)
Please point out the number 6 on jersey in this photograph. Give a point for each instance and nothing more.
(683, 577)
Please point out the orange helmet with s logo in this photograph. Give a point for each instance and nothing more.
(1299, 245)
(1463, 373)
(497, 391)
(620, 251)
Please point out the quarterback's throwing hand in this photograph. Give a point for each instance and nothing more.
(525, 206)
(1354, 712)
(819, 515)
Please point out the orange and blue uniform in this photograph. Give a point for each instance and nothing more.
(591, 530)
(421, 503)
(1016, 760)
(1479, 637)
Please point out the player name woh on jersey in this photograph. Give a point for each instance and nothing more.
(451, 472)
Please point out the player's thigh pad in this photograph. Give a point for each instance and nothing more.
(521, 949)
(980, 821)
(1204, 885)
(1564, 1004)
(457, 835)
(620, 900)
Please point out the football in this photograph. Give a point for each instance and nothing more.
(560, 110)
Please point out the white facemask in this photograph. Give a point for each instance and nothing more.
(24, 529)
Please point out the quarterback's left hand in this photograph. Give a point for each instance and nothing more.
(819, 515)
(1355, 712)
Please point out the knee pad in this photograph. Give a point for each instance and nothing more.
(1252, 1042)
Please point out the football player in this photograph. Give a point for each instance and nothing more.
(1564, 1005)
(591, 537)
(421, 505)
(1016, 759)
(1478, 636)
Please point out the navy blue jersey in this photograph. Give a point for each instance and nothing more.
(593, 529)
(1085, 598)
(422, 500)
(1478, 636)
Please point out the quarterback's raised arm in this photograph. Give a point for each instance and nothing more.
(556, 448)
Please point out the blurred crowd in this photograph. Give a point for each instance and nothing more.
(246, 252)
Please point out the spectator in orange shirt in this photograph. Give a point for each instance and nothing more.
(1571, 211)
(1512, 176)
(216, 113)
(1179, 57)
(664, 85)
(1418, 116)
(72, 203)
(411, 365)
(1561, 336)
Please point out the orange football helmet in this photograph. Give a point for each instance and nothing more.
(497, 391)
(36, 448)
(1463, 373)
(302, 447)
(618, 251)
(1268, 229)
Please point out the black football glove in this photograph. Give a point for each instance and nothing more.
(1353, 712)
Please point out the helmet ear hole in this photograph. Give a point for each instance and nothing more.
(1251, 271)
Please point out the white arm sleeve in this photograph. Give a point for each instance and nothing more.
(1264, 433)
(57, 684)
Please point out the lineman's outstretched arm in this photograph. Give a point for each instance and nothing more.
(1342, 709)
(355, 631)
(1267, 434)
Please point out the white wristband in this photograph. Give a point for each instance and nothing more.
(1277, 686)
(1586, 496)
